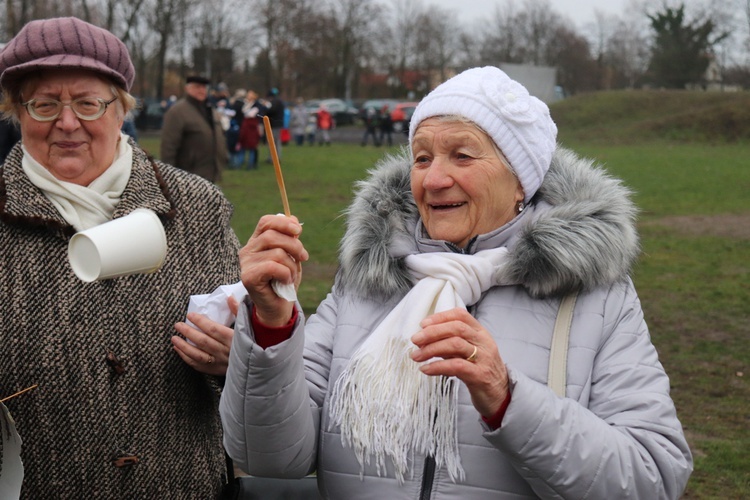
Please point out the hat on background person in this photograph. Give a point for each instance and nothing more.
(66, 42)
(197, 79)
(518, 123)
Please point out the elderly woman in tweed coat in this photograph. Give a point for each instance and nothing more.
(124, 408)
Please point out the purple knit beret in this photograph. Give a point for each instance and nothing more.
(66, 42)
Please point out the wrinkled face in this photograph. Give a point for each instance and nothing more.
(461, 185)
(198, 91)
(73, 150)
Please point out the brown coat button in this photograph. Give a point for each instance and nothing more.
(117, 364)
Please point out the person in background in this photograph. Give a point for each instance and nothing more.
(311, 129)
(226, 113)
(235, 124)
(169, 102)
(250, 132)
(218, 93)
(386, 125)
(424, 373)
(372, 123)
(299, 121)
(124, 408)
(275, 112)
(192, 137)
(286, 135)
(238, 101)
(324, 125)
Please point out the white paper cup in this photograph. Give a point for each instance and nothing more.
(132, 244)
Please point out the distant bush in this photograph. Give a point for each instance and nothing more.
(637, 116)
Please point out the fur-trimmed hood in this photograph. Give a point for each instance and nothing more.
(578, 234)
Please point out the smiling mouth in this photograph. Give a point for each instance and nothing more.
(446, 206)
(68, 144)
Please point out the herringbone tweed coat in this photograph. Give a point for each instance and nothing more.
(110, 385)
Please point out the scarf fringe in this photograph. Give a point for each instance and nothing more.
(386, 407)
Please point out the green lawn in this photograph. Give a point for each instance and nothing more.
(693, 280)
(692, 277)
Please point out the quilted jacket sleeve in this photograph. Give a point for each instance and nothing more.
(269, 411)
(624, 442)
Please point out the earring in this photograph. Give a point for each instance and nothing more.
(520, 207)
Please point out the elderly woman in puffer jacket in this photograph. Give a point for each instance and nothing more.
(424, 372)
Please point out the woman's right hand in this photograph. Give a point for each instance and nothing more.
(274, 252)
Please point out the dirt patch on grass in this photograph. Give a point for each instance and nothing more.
(735, 226)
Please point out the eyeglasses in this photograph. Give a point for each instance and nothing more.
(85, 108)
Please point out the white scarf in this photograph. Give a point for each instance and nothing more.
(383, 404)
(84, 206)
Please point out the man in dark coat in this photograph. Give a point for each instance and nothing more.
(275, 112)
(192, 138)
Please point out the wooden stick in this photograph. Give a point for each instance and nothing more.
(18, 393)
(276, 165)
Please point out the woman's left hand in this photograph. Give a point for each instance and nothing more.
(468, 352)
(211, 341)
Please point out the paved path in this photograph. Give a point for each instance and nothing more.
(353, 135)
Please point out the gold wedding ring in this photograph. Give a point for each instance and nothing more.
(211, 359)
(473, 357)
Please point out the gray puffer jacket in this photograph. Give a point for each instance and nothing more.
(614, 435)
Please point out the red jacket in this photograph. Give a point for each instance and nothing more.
(325, 122)
(249, 133)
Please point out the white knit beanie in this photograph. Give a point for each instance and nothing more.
(519, 123)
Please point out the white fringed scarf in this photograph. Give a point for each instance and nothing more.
(84, 206)
(383, 404)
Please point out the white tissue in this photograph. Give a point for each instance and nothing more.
(214, 305)
(11, 467)
(284, 290)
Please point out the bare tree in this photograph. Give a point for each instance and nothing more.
(521, 36)
(503, 38)
(577, 71)
(20, 12)
(358, 31)
(122, 17)
(220, 30)
(628, 50)
(162, 18)
(599, 31)
(401, 42)
(436, 44)
(539, 22)
(328, 47)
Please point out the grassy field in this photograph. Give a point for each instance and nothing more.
(693, 278)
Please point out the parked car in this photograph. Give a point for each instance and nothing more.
(401, 116)
(377, 105)
(343, 113)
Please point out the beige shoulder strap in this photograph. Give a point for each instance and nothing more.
(558, 356)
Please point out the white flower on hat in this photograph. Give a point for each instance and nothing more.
(513, 100)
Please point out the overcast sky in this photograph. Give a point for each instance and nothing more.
(580, 12)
